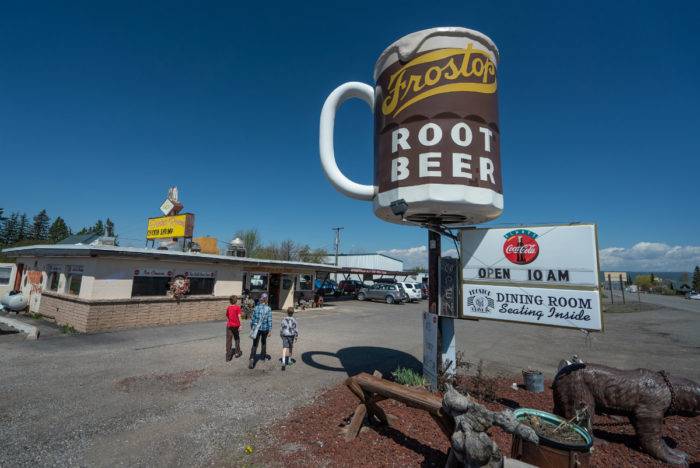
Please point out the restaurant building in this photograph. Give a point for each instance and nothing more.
(96, 288)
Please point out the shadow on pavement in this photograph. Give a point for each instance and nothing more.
(358, 359)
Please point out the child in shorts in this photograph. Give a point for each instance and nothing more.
(233, 323)
(289, 333)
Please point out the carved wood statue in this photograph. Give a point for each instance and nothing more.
(463, 420)
(471, 445)
(642, 395)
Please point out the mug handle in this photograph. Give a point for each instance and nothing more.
(352, 89)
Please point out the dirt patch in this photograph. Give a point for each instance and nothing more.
(176, 381)
(313, 435)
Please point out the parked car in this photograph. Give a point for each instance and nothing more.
(423, 290)
(389, 293)
(325, 287)
(412, 292)
(349, 287)
(693, 295)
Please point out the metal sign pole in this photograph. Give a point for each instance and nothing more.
(622, 289)
(434, 250)
(445, 343)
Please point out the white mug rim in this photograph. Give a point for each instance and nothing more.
(424, 34)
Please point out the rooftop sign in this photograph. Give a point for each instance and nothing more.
(167, 227)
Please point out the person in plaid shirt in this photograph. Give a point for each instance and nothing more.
(262, 314)
(289, 333)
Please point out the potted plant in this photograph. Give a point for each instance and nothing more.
(562, 443)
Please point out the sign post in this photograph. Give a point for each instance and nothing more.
(430, 349)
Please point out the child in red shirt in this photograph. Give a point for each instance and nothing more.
(233, 314)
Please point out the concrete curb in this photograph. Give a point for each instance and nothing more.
(31, 331)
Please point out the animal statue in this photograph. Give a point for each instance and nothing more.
(471, 445)
(644, 396)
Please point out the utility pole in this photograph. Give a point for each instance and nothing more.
(337, 242)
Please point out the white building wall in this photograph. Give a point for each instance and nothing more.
(4, 288)
(369, 261)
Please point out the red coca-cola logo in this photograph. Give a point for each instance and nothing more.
(521, 247)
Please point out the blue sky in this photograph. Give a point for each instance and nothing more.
(103, 105)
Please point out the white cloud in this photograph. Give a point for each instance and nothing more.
(415, 256)
(643, 256)
(652, 256)
(412, 256)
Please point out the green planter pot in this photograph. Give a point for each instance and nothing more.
(551, 453)
(522, 413)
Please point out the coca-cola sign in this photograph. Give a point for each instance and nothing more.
(520, 246)
(544, 274)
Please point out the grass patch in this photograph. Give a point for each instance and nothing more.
(36, 316)
(68, 329)
(628, 308)
(406, 376)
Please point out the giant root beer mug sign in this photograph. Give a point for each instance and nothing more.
(436, 133)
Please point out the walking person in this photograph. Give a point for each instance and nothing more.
(261, 326)
(289, 333)
(233, 324)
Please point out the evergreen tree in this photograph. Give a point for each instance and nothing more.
(2, 226)
(58, 231)
(696, 279)
(23, 228)
(40, 228)
(10, 229)
(109, 228)
(98, 228)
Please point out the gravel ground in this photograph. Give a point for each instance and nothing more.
(164, 396)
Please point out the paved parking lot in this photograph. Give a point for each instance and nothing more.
(165, 396)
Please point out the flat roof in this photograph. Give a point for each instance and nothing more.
(366, 254)
(56, 250)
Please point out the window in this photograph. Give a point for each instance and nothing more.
(202, 286)
(150, 286)
(258, 282)
(74, 282)
(53, 281)
(306, 282)
(5, 273)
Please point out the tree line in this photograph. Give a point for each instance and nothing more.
(19, 229)
(286, 250)
(655, 284)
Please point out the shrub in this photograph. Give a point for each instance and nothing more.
(406, 376)
(481, 385)
(68, 329)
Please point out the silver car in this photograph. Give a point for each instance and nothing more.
(389, 293)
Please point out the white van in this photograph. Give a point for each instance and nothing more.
(414, 294)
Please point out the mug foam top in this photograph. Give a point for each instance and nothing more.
(407, 47)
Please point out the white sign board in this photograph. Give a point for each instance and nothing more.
(545, 275)
(559, 255)
(570, 308)
(430, 326)
(200, 274)
(167, 207)
(152, 272)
